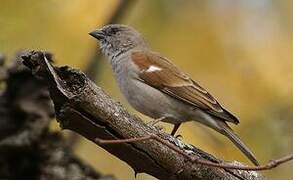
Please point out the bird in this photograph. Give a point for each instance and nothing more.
(157, 88)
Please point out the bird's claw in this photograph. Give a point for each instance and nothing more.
(179, 136)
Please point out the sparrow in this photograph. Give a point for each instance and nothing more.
(154, 86)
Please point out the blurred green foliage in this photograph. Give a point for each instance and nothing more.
(241, 51)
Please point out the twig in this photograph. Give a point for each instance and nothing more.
(120, 11)
(270, 165)
(119, 141)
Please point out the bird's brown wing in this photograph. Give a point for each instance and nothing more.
(158, 72)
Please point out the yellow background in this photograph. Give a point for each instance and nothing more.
(241, 51)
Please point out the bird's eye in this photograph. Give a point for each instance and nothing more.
(112, 31)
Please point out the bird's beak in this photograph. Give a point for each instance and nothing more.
(99, 34)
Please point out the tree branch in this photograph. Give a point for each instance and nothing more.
(27, 147)
(93, 66)
(270, 165)
(83, 107)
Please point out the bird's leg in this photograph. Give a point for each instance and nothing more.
(176, 126)
(153, 122)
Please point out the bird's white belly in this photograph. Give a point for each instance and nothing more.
(153, 102)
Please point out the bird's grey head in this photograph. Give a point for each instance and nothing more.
(116, 39)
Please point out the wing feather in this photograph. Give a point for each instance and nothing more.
(170, 80)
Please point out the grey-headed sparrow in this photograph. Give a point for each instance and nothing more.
(155, 87)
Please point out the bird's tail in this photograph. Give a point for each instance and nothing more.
(227, 131)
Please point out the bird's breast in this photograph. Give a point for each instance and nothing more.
(144, 98)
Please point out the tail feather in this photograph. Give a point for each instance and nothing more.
(227, 131)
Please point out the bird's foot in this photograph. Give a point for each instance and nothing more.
(176, 126)
(179, 136)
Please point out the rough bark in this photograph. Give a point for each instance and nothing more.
(85, 108)
(28, 149)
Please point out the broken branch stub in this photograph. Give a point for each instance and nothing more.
(85, 108)
(27, 147)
